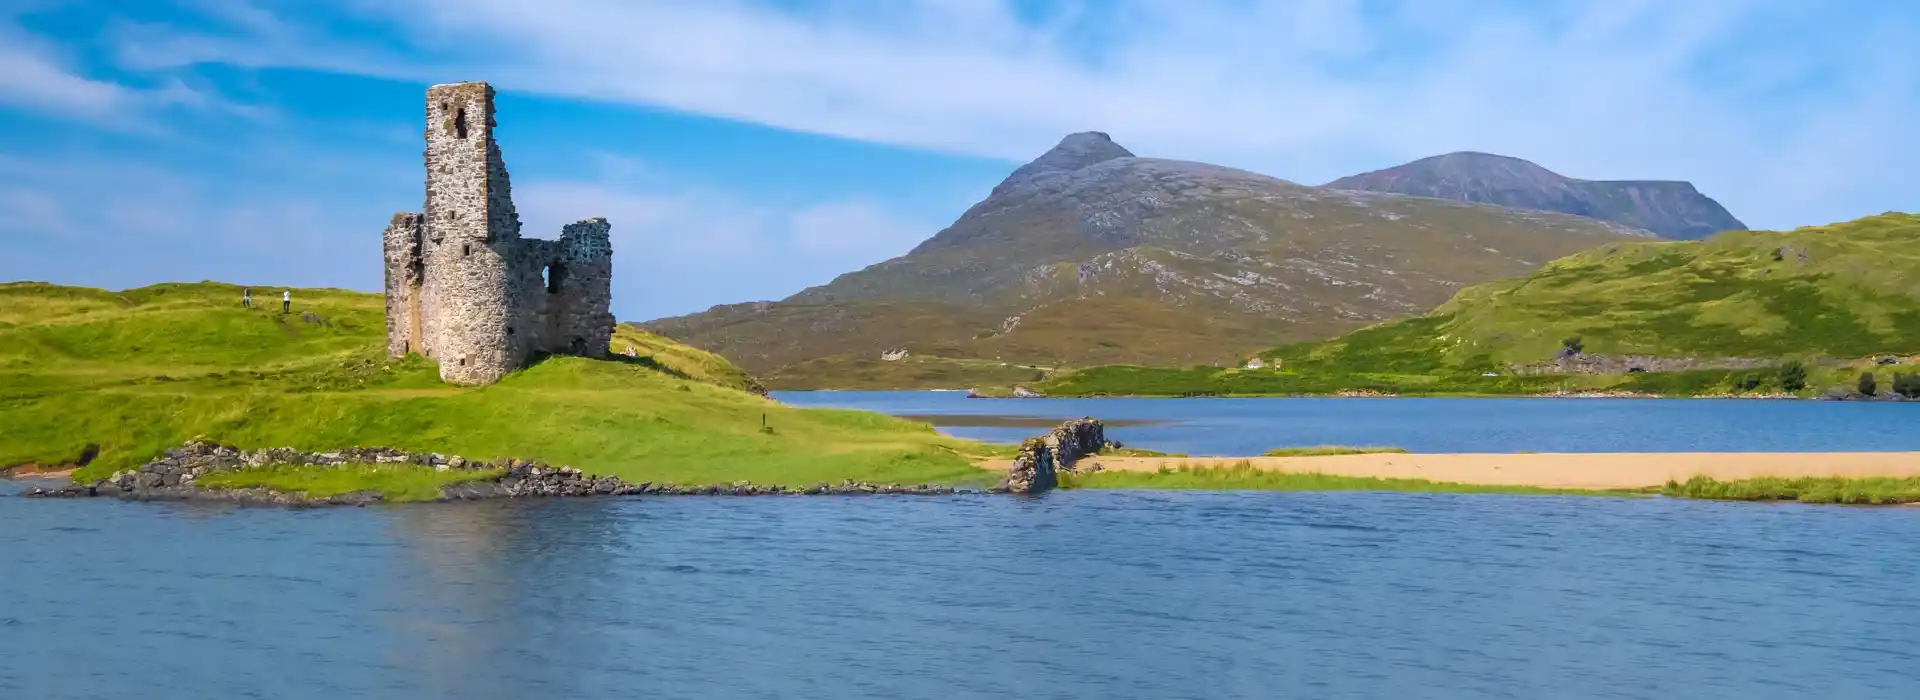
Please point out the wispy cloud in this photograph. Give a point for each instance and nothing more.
(39, 76)
(33, 76)
(682, 248)
(1309, 89)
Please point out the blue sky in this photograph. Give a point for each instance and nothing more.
(747, 149)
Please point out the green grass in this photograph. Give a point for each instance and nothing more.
(1245, 477)
(1848, 290)
(141, 371)
(1841, 490)
(1138, 452)
(1330, 450)
(395, 483)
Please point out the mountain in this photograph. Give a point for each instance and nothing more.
(1092, 255)
(1695, 315)
(1671, 209)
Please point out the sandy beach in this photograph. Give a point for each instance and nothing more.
(1597, 471)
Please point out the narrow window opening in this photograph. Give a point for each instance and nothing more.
(466, 249)
(553, 275)
(460, 123)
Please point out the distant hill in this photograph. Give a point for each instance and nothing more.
(1092, 255)
(1844, 290)
(1669, 208)
(1723, 306)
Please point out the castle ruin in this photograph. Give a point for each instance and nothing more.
(463, 288)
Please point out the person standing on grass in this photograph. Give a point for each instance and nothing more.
(286, 302)
(246, 298)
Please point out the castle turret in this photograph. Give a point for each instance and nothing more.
(463, 288)
(471, 228)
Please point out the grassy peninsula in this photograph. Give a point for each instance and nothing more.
(140, 371)
(1247, 477)
(1742, 313)
(1838, 490)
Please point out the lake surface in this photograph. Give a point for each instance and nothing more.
(1250, 426)
(1070, 595)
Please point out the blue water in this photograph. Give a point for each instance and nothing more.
(1070, 595)
(1243, 427)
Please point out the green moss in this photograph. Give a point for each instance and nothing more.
(394, 483)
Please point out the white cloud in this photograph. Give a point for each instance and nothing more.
(37, 76)
(681, 248)
(33, 78)
(856, 226)
(1308, 90)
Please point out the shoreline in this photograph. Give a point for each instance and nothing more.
(1439, 395)
(1586, 471)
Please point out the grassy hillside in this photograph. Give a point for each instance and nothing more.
(139, 371)
(1829, 295)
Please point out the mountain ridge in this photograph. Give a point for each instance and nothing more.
(1671, 208)
(1203, 260)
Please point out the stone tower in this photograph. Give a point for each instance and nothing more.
(463, 288)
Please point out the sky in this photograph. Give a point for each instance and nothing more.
(747, 149)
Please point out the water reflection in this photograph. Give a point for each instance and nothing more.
(1075, 594)
(499, 599)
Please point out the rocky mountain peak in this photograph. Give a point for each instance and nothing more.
(1475, 165)
(1670, 208)
(1074, 152)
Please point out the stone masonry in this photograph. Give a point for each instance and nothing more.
(463, 288)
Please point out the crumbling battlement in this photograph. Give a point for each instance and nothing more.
(463, 288)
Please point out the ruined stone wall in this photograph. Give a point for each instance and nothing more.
(583, 325)
(1037, 465)
(404, 277)
(463, 288)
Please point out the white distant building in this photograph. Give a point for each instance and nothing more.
(894, 355)
(1255, 363)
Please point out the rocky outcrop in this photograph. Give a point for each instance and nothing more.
(1584, 363)
(174, 477)
(1037, 466)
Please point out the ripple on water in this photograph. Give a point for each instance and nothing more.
(1077, 594)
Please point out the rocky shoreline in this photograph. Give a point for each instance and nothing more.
(172, 477)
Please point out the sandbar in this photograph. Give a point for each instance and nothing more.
(1599, 471)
